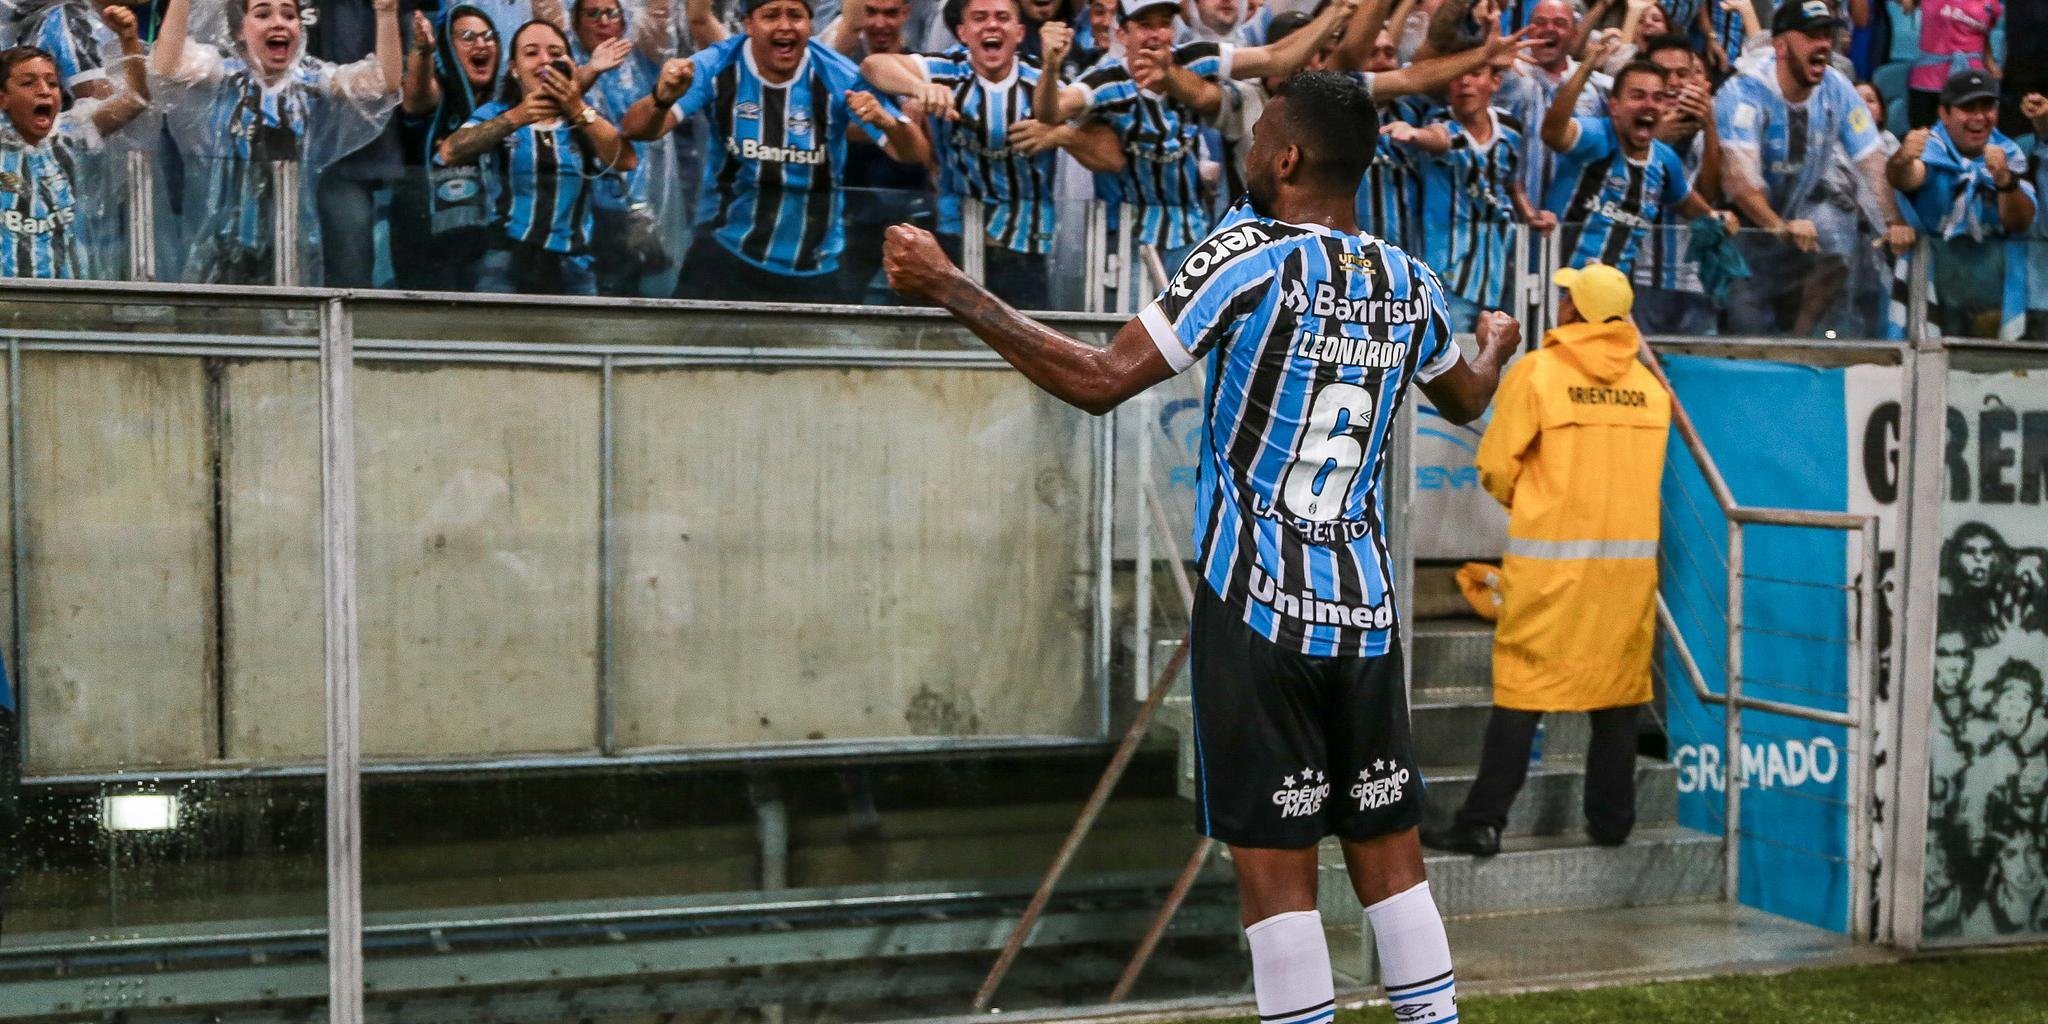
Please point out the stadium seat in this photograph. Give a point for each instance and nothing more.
(1895, 120)
(1890, 79)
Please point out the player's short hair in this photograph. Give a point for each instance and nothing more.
(1640, 66)
(955, 12)
(1668, 41)
(1334, 122)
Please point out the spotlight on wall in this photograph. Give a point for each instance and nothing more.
(139, 812)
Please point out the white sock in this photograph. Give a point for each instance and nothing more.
(1291, 969)
(1415, 957)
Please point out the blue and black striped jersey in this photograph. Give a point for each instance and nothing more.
(976, 161)
(1162, 144)
(1388, 194)
(68, 32)
(773, 162)
(1605, 202)
(540, 180)
(1525, 93)
(1312, 337)
(39, 199)
(1467, 203)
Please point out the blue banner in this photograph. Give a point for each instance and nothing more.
(1778, 433)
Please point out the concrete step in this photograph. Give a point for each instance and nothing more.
(1613, 946)
(1449, 725)
(1669, 864)
(1551, 799)
(1455, 653)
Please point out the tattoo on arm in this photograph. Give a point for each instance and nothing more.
(468, 143)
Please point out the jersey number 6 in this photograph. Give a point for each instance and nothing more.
(1317, 486)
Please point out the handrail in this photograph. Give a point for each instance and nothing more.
(1733, 701)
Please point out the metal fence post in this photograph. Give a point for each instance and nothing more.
(607, 705)
(17, 517)
(141, 216)
(284, 223)
(1141, 602)
(1731, 757)
(1095, 254)
(344, 706)
(973, 241)
(1861, 748)
(1920, 503)
(1105, 522)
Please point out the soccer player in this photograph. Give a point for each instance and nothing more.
(1785, 122)
(1614, 177)
(1312, 332)
(1156, 96)
(991, 147)
(1472, 194)
(770, 219)
(40, 145)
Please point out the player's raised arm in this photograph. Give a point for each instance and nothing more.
(1094, 380)
(1462, 392)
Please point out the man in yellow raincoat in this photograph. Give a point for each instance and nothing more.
(1575, 451)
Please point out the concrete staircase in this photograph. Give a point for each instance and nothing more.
(1546, 865)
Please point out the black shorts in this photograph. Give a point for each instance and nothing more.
(1289, 747)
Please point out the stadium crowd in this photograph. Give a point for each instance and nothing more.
(1755, 170)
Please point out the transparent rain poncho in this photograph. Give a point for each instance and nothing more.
(255, 142)
(642, 214)
(66, 198)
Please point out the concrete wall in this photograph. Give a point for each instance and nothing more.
(803, 554)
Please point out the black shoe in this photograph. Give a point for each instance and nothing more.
(1606, 840)
(1479, 840)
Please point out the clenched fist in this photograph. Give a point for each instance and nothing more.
(865, 106)
(676, 74)
(1914, 144)
(916, 266)
(1055, 38)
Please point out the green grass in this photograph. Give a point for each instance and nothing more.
(1988, 988)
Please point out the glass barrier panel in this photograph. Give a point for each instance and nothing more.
(163, 844)
(1988, 778)
(1979, 287)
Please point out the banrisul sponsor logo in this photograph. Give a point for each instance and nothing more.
(1302, 794)
(1381, 785)
(1214, 253)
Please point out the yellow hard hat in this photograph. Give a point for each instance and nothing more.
(1600, 292)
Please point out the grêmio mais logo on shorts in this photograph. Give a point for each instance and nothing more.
(1302, 794)
(1380, 785)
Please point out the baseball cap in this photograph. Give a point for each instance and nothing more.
(1966, 85)
(1804, 16)
(1128, 9)
(1600, 292)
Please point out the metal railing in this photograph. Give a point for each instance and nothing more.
(1733, 701)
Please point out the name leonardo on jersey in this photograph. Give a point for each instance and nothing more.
(752, 149)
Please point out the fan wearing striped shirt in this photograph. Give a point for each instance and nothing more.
(1312, 333)
(992, 150)
(1614, 176)
(42, 211)
(1156, 96)
(770, 214)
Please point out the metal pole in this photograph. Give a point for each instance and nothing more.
(1141, 601)
(973, 241)
(607, 704)
(141, 217)
(1105, 579)
(1089, 812)
(1096, 253)
(1861, 685)
(284, 223)
(17, 516)
(1399, 483)
(1121, 271)
(1174, 898)
(1731, 757)
(1920, 502)
(344, 707)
